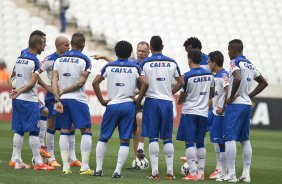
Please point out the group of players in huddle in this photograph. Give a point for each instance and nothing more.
(212, 99)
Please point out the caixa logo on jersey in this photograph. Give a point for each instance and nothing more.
(69, 60)
(267, 113)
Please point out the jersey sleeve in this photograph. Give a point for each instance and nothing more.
(256, 73)
(44, 64)
(55, 65)
(36, 67)
(103, 71)
(225, 78)
(234, 65)
(139, 72)
(88, 64)
(177, 72)
(185, 86)
(212, 82)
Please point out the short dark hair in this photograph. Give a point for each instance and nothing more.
(217, 57)
(195, 55)
(78, 40)
(38, 33)
(123, 49)
(237, 45)
(34, 41)
(156, 43)
(194, 41)
(143, 43)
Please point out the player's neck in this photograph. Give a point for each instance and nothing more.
(32, 51)
(193, 65)
(217, 70)
(122, 58)
(156, 52)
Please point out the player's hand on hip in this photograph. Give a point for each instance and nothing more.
(59, 107)
(14, 94)
(219, 110)
(105, 102)
(136, 101)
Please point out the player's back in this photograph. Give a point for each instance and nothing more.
(248, 74)
(25, 66)
(160, 71)
(197, 83)
(70, 65)
(47, 65)
(122, 78)
(204, 62)
(221, 80)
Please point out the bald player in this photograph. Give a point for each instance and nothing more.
(62, 45)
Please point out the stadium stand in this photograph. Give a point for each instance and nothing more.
(17, 24)
(214, 22)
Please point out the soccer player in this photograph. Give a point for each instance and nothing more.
(195, 43)
(138, 141)
(157, 120)
(221, 83)
(69, 75)
(62, 45)
(120, 108)
(25, 103)
(43, 109)
(238, 110)
(193, 123)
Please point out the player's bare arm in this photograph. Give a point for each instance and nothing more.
(179, 84)
(54, 84)
(97, 57)
(182, 97)
(262, 84)
(96, 86)
(15, 93)
(81, 82)
(44, 85)
(220, 110)
(144, 86)
(236, 84)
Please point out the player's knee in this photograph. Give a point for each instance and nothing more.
(21, 133)
(167, 141)
(200, 145)
(153, 140)
(51, 131)
(85, 130)
(34, 133)
(51, 122)
(124, 141)
(65, 131)
(189, 145)
(105, 140)
(44, 112)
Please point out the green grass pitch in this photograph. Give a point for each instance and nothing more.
(266, 163)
